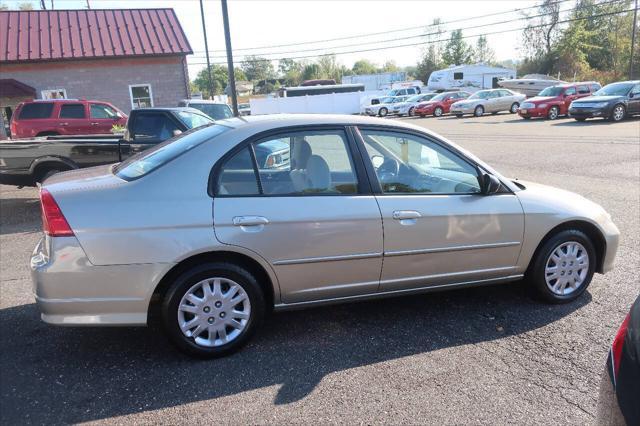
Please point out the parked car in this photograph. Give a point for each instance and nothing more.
(385, 105)
(493, 101)
(554, 101)
(215, 110)
(365, 208)
(64, 117)
(244, 109)
(408, 106)
(440, 104)
(29, 161)
(614, 101)
(620, 384)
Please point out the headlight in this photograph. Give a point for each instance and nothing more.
(527, 105)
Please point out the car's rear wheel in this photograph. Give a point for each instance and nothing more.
(50, 133)
(437, 112)
(618, 112)
(213, 309)
(411, 112)
(563, 267)
(527, 118)
(478, 111)
(553, 113)
(458, 115)
(421, 115)
(383, 112)
(514, 108)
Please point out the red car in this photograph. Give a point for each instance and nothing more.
(554, 101)
(64, 117)
(440, 104)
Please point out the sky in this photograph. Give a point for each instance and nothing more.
(262, 23)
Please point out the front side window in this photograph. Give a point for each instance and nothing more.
(72, 111)
(570, 91)
(141, 96)
(152, 126)
(103, 111)
(409, 164)
(583, 90)
(297, 163)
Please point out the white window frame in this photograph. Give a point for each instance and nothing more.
(131, 86)
(44, 93)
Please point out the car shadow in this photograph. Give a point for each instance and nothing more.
(85, 374)
(592, 122)
(19, 215)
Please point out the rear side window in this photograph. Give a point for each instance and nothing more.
(72, 111)
(152, 126)
(583, 90)
(237, 176)
(570, 91)
(147, 161)
(595, 87)
(36, 110)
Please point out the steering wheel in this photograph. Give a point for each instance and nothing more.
(389, 169)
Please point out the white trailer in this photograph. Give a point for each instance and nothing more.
(468, 77)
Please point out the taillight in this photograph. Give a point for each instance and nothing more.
(618, 344)
(54, 223)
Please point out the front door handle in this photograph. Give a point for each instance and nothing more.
(250, 221)
(406, 214)
(94, 123)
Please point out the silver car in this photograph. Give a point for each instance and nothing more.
(493, 101)
(200, 234)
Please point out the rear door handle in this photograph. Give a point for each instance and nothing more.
(94, 123)
(250, 221)
(64, 124)
(406, 214)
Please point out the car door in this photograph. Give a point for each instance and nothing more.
(439, 228)
(72, 119)
(633, 104)
(569, 96)
(494, 102)
(309, 214)
(102, 118)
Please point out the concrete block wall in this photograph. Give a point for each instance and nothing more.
(107, 79)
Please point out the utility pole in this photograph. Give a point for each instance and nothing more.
(206, 49)
(88, 5)
(43, 5)
(232, 77)
(633, 39)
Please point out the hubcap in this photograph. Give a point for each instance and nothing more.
(553, 113)
(438, 112)
(479, 111)
(214, 312)
(514, 108)
(618, 113)
(411, 113)
(567, 268)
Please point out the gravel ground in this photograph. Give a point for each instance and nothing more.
(486, 355)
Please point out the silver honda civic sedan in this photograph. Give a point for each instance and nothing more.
(210, 230)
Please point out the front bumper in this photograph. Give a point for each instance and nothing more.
(462, 110)
(532, 112)
(590, 112)
(70, 290)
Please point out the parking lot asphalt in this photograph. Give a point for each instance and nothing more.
(485, 355)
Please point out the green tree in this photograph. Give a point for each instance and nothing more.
(541, 35)
(390, 66)
(363, 66)
(311, 72)
(257, 68)
(482, 52)
(457, 51)
(291, 71)
(220, 79)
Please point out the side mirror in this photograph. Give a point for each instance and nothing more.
(177, 132)
(631, 95)
(491, 184)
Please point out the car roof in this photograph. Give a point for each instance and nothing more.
(170, 109)
(202, 101)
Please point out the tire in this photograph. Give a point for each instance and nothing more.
(527, 118)
(458, 115)
(617, 113)
(494, 113)
(41, 134)
(514, 108)
(570, 270)
(421, 115)
(479, 111)
(383, 112)
(553, 113)
(411, 113)
(438, 112)
(579, 119)
(212, 311)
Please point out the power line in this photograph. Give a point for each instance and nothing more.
(413, 36)
(389, 31)
(429, 41)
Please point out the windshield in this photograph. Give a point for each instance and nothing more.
(552, 91)
(192, 120)
(615, 89)
(215, 111)
(415, 98)
(439, 97)
(149, 160)
(479, 95)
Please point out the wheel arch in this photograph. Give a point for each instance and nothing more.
(43, 163)
(266, 278)
(591, 230)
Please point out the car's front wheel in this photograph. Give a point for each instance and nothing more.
(514, 108)
(563, 267)
(553, 113)
(213, 309)
(478, 111)
(383, 112)
(437, 112)
(618, 112)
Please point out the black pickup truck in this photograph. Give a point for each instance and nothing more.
(25, 162)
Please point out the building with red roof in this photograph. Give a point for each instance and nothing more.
(128, 57)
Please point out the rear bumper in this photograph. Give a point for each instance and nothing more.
(69, 290)
(612, 239)
(16, 179)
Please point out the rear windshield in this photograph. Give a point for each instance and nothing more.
(215, 111)
(36, 110)
(145, 162)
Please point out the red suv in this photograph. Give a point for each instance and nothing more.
(554, 101)
(64, 117)
(440, 104)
